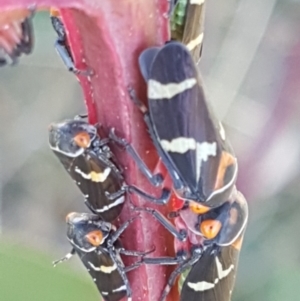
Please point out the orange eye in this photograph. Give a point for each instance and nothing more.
(210, 228)
(54, 12)
(95, 238)
(226, 160)
(82, 139)
(197, 208)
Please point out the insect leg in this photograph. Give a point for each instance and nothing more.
(65, 258)
(180, 269)
(177, 182)
(156, 179)
(122, 273)
(120, 230)
(180, 235)
(135, 253)
(162, 200)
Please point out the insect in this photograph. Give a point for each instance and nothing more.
(212, 277)
(209, 260)
(62, 46)
(16, 35)
(189, 139)
(89, 161)
(97, 244)
(187, 24)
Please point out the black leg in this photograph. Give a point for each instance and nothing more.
(177, 182)
(163, 260)
(180, 269)
(135, 253)
(133, 266)
(120, 230)
(156, 179)
(122, 273)
(98, 143)
(65, 258)
(68, 61)
(162, 200)
(180, 235)
(115, 195)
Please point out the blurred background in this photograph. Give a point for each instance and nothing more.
(251, 68)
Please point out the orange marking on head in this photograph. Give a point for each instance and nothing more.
(54, 12)
(226, 160)
(210, 228)
(237, 244)
(198, 208)
(82, 139)
(95, 238)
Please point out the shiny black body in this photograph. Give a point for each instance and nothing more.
(205, 259)
(91, 166)
(25, 46)
(103, 196)
(63, 48)
(189, 139)
(97, 244)
(212, 277)
(61, 45)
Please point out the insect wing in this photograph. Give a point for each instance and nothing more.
(146, 59)
(95, 178)
(105, 274)
(212, 277)
(186, 129)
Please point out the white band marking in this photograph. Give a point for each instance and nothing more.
(182, 145)
(121, 288)
(93, 176)
(204, 286)
(194, 43)
(157, 90)
(117, 202)
(103, 268)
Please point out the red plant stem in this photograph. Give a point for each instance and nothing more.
(108, 36)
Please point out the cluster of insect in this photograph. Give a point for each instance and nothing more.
(209, 216)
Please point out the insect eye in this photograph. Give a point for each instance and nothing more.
(95, 238)
(198, 208)
(210, 228)
(82, 139)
